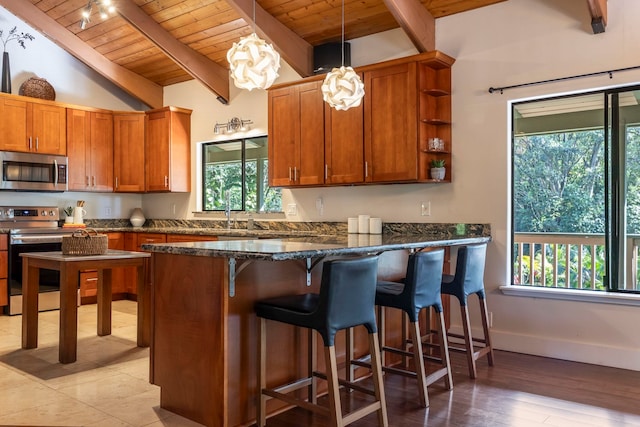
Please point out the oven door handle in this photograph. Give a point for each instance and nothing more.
(24, 239)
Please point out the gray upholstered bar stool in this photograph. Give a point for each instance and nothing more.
(419, 289)
(468, 280)
(346, 299)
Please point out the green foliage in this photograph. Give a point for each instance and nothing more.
(559, 182)
(437, 163)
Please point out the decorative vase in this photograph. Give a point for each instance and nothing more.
(437, 173)
(6, 73)
(137, 217)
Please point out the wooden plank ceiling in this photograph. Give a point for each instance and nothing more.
(206, 29)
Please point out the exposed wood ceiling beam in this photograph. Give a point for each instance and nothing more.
(416, 21)
(132, 83)
(598, 9)
(209, 73)
(295, 50)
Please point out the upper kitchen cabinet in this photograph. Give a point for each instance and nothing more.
(343, 149)
(90, 150)
(434, 89)
(296, 135)
(128, 152)
(32, 127)
(168, 150)
(407, 102)
(390, 129)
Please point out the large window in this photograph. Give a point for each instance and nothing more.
(237, 171)
(576, 191)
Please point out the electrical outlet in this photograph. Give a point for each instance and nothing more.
(292, 209)
(425, 208)
(107, 212)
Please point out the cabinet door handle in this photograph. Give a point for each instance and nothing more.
(116, 182)
(166, 181)
(87, 177)
(37, 143)
(366, 169)
(326, 171)
(30, 143)
(93, 179)
(295, 173)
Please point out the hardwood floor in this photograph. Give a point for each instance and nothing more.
(109, 387)
(520, 390)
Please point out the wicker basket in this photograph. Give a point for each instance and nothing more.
(36, 87)
(85, 242)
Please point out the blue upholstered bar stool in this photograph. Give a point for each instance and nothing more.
(419, 289)
(346, 299)
(468, 280)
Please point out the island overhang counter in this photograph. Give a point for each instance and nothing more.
(203, 328)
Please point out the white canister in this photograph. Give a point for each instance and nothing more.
(375, 225)
(352, 225)
(363, 224)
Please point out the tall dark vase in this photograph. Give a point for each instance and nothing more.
(6, 73)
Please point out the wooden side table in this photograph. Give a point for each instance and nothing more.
(69, 267)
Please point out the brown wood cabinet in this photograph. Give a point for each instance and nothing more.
(32, 127)
(128, 152)
(343, 145)
(168, 150)
(296, 135)
(90, 150)
(4, 267)
(119, 276)
(434, 103)
(173, 238)
(407, 101)
(390, 129)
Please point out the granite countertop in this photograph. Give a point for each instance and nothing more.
(221, 232)
(313, 246)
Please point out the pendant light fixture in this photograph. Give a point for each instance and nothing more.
(342, 87)
(253, 63)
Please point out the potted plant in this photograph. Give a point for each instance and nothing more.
(437, 169)
(68, 211)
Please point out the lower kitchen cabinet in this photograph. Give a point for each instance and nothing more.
(120, 277)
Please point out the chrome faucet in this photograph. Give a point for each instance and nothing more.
(227, 208)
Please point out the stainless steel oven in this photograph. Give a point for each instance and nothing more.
(32, 229)
(32, 172)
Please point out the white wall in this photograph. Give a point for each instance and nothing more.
(508, 43)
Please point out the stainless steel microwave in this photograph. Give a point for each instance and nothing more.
(32, 172)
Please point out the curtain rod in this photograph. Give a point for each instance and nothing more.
(559, 79)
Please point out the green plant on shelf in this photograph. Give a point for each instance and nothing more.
(68, 211)
(437, 163)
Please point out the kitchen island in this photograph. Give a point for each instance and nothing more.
(203, 339)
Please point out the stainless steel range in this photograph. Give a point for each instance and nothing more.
(32, 229)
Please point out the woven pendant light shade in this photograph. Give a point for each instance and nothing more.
(253, 63)
(342, 88)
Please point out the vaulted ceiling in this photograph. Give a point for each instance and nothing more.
(149, 44)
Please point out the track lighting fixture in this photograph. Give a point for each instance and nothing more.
(105, 9)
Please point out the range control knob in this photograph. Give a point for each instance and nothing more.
(52, 213)
(43, 213)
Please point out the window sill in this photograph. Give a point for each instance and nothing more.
(572, 295)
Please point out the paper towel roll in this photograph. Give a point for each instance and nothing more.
(352, 225)
(375, 225)
(363, 224)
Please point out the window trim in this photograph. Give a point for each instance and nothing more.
(578, 295)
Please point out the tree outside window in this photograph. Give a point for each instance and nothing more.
(239, 167)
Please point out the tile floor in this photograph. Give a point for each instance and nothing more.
(107, 386)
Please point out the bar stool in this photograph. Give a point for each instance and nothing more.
(469, 279)
(346, 299)
(419, 289)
